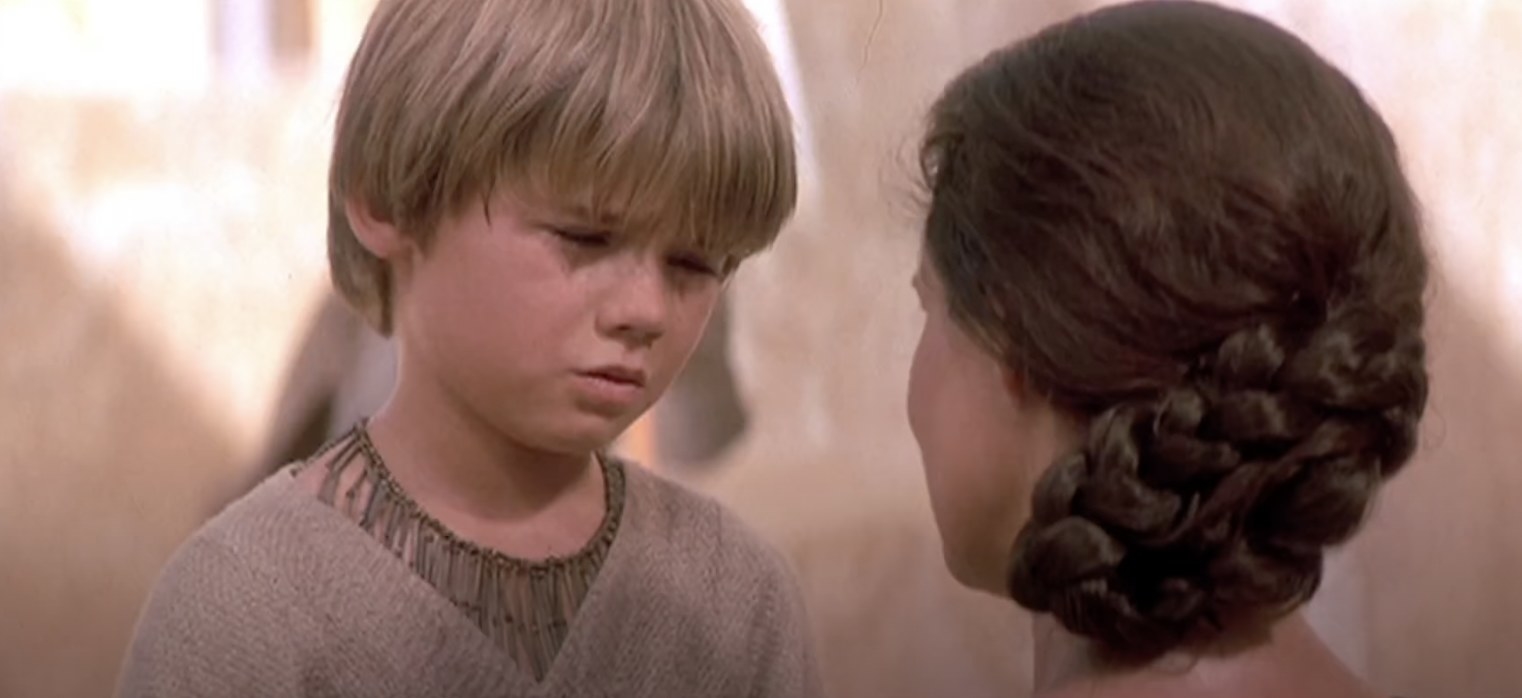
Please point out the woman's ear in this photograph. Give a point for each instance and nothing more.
(1062, 428)
(381, 237)
(1018, 385)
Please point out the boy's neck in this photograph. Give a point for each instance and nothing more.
(485, 487)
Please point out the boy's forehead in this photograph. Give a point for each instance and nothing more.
(583, 213)
(671, 211)
(657, 224)
(558, 206)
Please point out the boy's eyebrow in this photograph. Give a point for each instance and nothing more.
(582, 213)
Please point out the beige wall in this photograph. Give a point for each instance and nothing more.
(148, 294)
(158, 256)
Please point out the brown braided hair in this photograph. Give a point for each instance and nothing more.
(1182, 225)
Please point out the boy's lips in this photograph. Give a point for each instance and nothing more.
(619, 373)
(612, 390)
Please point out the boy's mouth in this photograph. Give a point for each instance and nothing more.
(612, 390)
(624, 375)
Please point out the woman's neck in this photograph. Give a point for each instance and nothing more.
(1285, 659)
(1061, 658)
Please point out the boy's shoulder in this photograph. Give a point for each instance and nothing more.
(687, 525)
(220, 620)
(245, 551)
(274, 544)
(715, 592)
(270, 522)
(279, 594)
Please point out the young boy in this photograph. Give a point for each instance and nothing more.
(541, 200)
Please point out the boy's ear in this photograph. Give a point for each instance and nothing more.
(382, 238)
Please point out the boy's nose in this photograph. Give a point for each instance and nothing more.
(636, 307)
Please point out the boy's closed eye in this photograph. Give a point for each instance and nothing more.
(594, 240)
(695, 263)
(589, 239)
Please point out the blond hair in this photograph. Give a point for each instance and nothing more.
(664, 116)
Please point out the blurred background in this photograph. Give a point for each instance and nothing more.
(167, 333)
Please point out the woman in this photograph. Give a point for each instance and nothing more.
(1173, 283)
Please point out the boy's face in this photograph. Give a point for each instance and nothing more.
(555, 331)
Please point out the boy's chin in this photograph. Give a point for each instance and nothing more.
(586, 438)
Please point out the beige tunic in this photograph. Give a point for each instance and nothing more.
(282, 595)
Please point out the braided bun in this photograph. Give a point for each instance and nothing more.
(1216, 499)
